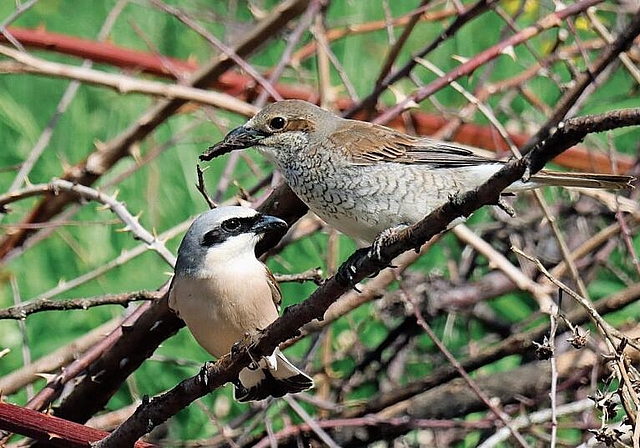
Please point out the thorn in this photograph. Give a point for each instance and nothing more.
(509, 51)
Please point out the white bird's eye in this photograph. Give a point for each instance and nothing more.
(231, 225)
(277, 123)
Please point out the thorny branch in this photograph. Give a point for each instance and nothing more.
(100, 371)
(224, 370)
(23, 310)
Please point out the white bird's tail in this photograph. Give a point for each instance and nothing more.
(274, 376)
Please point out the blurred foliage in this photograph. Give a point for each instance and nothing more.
(163, 191)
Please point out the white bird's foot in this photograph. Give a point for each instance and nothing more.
(246, 343)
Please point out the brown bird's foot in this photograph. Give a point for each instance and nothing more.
(505, 207)
(346, 274)
(387, 237)
(347, 271)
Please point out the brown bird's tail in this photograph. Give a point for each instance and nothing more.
(274, 376)
(569, 179)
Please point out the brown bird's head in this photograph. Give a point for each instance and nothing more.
(278, 129)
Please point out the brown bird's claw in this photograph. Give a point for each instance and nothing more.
(455, 200)
(386, 238)
(527, 171)
(506, 207)
(346, 274)
(236, 348)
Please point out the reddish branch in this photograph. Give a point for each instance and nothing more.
(52, 430)
(467, 68)
(99, 162)
(233, 83)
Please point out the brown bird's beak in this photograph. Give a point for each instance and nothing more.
(239, 138)
(267, 223)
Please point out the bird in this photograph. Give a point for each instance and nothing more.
(365, 179)
(224, 294)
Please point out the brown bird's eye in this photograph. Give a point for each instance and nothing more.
(277, 123)
(231, 225)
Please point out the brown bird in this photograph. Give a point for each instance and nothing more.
(364, 178)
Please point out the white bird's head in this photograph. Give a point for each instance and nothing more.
(222, 235)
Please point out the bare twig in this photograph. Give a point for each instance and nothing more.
(23, 310)
(609, 332)
(227, 51)
(468, 67)
(311, 275)
(202, 188)
(20, 9)
(67, 97)
(538, 417)
(19, 378)
(292, 40)
(125, 84)
(131, 222)
(321, 433)
(454, 362)
(500, 262)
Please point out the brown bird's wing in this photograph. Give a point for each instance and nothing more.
(276, 294)
(368, 144)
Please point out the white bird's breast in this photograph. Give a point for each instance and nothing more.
(222, 305)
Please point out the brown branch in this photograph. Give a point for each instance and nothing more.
(89, 358)
(311, 275)
(394, 50)
(475, 388)
(581, 82)
(25, 63)
(226, 369)
(467, 68)
(236, 84)
(202, 188)
(17, 379)
(335, 34)
(462, 18)
(517, 343)
(104, 52)
(227, 51)
(25, 309)
(369, 423)
(58, 187)
(285, 59)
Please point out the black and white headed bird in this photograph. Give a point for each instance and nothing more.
(223, 292)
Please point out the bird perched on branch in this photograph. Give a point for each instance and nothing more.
(224, 293)
(364, 178)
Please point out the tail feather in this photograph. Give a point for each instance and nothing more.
(571, 179)
(266, 381)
